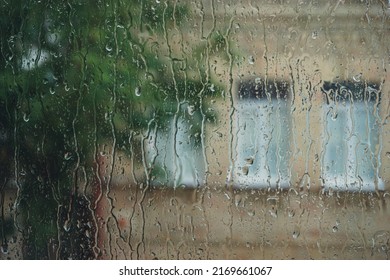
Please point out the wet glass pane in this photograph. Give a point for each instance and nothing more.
(194, 130)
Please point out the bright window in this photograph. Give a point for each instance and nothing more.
(263, 135)
(351, 137)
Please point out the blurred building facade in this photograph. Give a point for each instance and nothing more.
(296, 164)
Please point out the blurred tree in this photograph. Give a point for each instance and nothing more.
(74, 75)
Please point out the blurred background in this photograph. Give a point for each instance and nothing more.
(152, 129)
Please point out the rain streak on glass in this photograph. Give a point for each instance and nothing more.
(194, 130)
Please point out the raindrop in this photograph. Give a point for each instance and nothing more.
(237, 200)
(173, 202)
(295, 234)
(291, 213)
(335, 229)
(314, 35)
(357, 78)
(381, 240)
(249, 160)
(108, 48)
(258, 80)
(158, 1)
(67, 156)
(334, 116)
(251, 213)
(26, 117)
(191, 109)
(137, 91)
(245, 170)
(251, 60)
(52, 90)
(388, 154)
(67, 225)
(4, 249)
(273, 212)
(212, 87)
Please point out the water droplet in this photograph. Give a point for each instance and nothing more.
(158, 1)
(191, 109)
(335, 229)
(291, 213)
(108, 48)
(295, 234)
(381, 240)
(52, 90)
(212, 87)
(388, 154)
(237, 200)
(334, 116)
(258, 80)
(4, 249)
(251, 60)
(273, 213)
(314, 35)
(67, 225)
(357, 78)
(251, 213)
(249, 160)
(174, 202)
(26, 117)
(67, 156)
(245, 170)
(137, 91)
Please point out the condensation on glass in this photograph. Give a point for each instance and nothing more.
(194, 130)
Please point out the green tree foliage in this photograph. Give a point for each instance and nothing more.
(74, 75)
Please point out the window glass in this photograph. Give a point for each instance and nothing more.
(205, 129)
(351, 137)
(263, 130)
